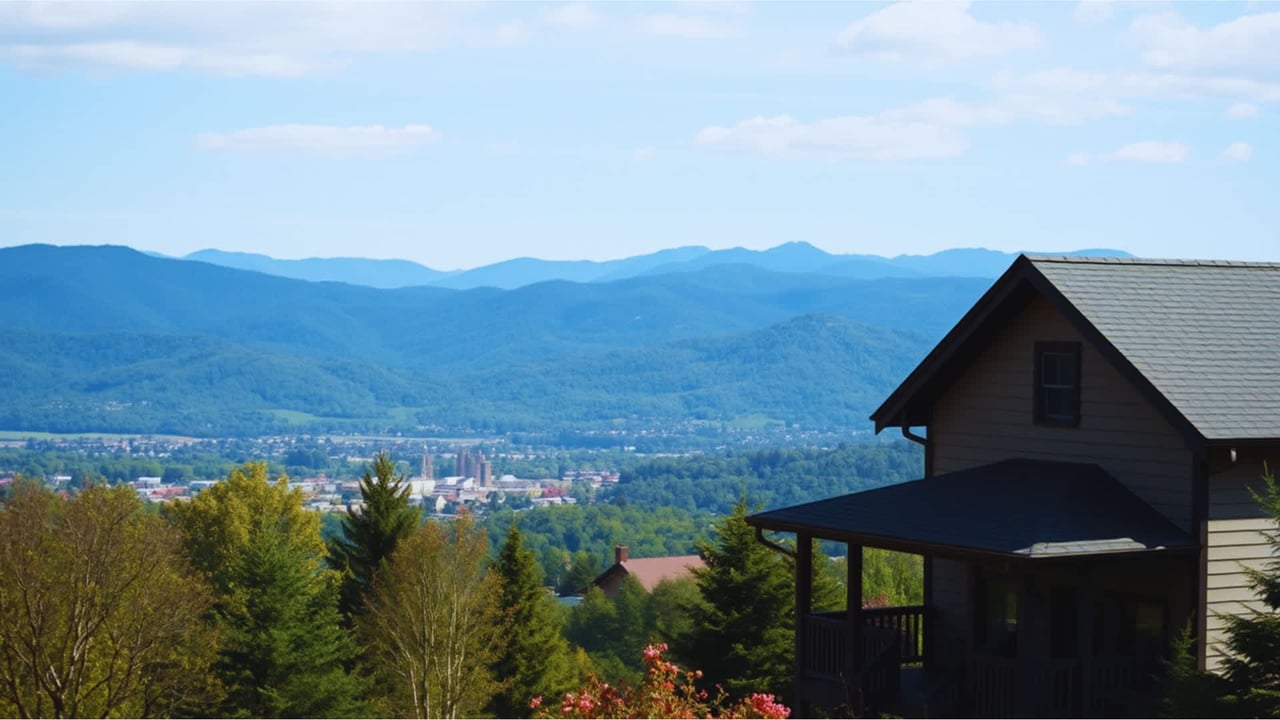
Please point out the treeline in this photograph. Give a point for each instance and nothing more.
(232, 604)
(770, 478)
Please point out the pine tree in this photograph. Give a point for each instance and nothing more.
(369, 536)
(744, 632)
(537, 661)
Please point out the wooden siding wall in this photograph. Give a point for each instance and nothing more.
(986, 416)
(1236, 541)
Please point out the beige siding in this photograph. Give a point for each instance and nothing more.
(986, 417)
(1237, 540)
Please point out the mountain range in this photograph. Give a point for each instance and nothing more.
(110, 339)
(510, 274)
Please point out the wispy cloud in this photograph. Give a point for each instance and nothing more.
(321, 140)
(1147, 152)
(578, 15)
(1243, 111)
(688, 27)
(1093, 12)
(271, 39)
(933, 33)
(1236, 152)
(1247, 43)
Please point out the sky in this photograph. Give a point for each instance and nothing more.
(457, 135)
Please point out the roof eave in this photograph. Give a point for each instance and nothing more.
(894, 411)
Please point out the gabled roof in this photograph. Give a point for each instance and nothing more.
(1199, 339)
(1027, 509)
(651, 571)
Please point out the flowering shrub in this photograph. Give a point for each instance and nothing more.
(666, 692)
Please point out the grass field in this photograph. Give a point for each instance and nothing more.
(34, 435)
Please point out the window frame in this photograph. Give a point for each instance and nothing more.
(1038, 388)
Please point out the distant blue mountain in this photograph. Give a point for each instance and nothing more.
(356, 271)
(793, 257)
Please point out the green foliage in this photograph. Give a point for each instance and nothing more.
(889, 579)
(285, 653)
(100, 616)
(613, 631)
(744, 633)
(536, 660)
(370, 535)
(434, 626)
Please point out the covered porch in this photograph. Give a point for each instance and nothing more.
(1050, 591)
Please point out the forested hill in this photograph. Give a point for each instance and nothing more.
(106, 338)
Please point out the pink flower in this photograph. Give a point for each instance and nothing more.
(535, 703)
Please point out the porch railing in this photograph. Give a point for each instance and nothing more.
(908, 622)
(1000, 687)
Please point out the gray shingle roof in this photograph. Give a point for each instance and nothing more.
(1206, 334)
(1020, 508)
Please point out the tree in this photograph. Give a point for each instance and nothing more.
(536, 660)
(99, 613)
(285, 652)
(369, 536)
(744, 631)
(582, 571)
(433, 624)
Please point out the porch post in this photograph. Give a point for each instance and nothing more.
(804, 602)
(853, 607)
(1084, 639)
(1026, 629)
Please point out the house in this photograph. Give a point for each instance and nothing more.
(649, 571)
(1092, 429)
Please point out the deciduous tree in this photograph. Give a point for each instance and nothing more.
(100, 615)
(433, 625)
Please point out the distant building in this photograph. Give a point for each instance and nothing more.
(649, 571)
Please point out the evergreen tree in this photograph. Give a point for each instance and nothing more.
(537, 661)
(744, 632)
(369, 536)
(284, 652)
(582, 571)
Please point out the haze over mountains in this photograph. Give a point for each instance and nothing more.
(510, 274)
(111, 339)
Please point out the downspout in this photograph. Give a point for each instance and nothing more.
(760, 538)
(922, 442)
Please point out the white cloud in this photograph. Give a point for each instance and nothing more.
(1093, 12)
(931, 128)
(511, 33)
(1246, 44)
(321, 140)
(1152, 151)
(579, 16)
(1073, 85)
(932, 33)
(850, 137)
(273, 39)
(1243, 110)
(1237, 152)
(689, 27)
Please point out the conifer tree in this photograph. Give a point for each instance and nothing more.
(284, 652)
(744, 632)
(537, 661)
(369, 536)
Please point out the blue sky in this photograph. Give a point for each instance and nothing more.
(458, 135)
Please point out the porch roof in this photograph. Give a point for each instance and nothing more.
(1014, 508)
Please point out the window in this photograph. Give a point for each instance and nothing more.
(1057, 384)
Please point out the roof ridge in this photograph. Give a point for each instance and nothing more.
(1085, 260)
